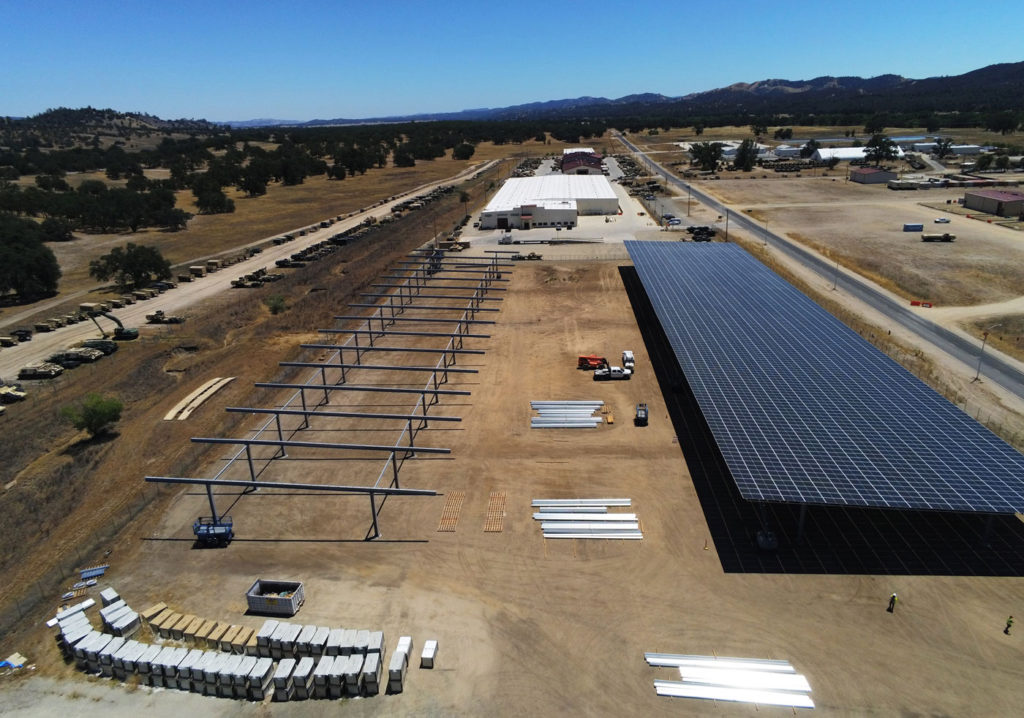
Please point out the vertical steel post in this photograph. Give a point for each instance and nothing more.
(305, 410)
(213, 507)
(248, 457)
(373, 515)
(280, 434)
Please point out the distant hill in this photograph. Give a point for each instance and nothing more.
(992, 88)
(64, 127)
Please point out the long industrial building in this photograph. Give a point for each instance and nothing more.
(549, 201)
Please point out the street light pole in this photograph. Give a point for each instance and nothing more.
(981, 354)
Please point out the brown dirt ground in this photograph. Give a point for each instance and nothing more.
(549, 626)
(545, 626)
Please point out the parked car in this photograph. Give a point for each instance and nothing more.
(942, 220)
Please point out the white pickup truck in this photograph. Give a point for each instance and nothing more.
(610, 373)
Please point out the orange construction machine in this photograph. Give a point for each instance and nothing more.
(591, 361)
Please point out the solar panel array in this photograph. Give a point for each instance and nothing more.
(802, 408)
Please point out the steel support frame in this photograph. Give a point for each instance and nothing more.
(246, 486)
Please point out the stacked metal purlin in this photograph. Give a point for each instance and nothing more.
(747, 680)
(586, 519)
(565, 414)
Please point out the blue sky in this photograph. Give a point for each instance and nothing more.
(302, 59)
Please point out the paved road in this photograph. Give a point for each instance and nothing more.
(994, 368)
(178, 301)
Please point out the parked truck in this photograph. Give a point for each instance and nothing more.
(10, 393)
(612, 373)
(158, 317)
(628, 362)
(40, 370)
(945, 237)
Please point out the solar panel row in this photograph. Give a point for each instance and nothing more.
(803, 409)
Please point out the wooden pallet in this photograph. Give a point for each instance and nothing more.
(495, 512)
(450, 512)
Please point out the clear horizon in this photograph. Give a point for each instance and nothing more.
(310, 60)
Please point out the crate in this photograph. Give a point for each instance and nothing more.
(277, 598)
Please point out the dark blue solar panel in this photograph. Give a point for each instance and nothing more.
(802, 408)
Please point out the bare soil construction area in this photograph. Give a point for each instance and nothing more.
(534, 626)
(525, 625)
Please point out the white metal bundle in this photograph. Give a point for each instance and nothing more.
(582, 502)
(617, 535)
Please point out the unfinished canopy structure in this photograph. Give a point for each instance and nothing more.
(412, 331)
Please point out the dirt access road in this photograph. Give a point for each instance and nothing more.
(187, 294)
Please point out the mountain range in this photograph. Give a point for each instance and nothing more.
(989, 89)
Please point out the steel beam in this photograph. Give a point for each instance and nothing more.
(406, 307)
(350, 387)
(342, 414)
(346, 317)
(434, 296)
(240, 483)
(318, 445)
(380, 332)
(485, 266)
(439, 286)
(364, 350)
(429, 277)
(384, 367)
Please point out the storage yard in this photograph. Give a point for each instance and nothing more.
(553, 554)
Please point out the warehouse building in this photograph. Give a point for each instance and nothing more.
(871, 175)
(1002, 203)
(844, 154)
(582, 163)
(549, 201)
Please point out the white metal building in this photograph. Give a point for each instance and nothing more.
(574, 150)
(844, 154)
(548, 201)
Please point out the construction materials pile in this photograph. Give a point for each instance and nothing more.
(292, 661)
(744, 680)
(586, 519)
(565, 414)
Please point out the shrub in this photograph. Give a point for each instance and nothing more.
(275, 303)
(95, 413)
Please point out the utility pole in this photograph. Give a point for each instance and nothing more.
(981, 355)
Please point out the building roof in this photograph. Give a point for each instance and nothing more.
(998, 194)
(518, 191)
(844, 153)
(573, 150)
(580, 159)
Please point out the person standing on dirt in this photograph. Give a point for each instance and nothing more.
(1009, 625)
(892, 603)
